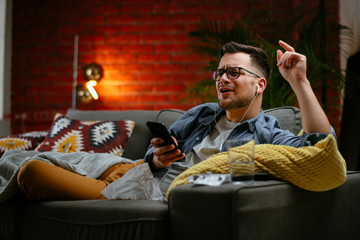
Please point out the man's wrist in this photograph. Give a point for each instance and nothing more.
(152, 165)
(300, 83)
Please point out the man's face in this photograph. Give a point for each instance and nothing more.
(237, 93)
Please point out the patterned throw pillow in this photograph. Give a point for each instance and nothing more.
(68, 135)
(25, 141)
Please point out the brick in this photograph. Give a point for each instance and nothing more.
(153, 2)
(107, 89)
(121, 58)
(198, 68)
(188, 58)
(154, 58)
(102, 49)
(90, 39)
(185, 18)
(170, 28)
(173, 48)
(139, 48)
(169, 8)
(122, 98)
(136, 28)
(169, 88)
(153, 78)
(184, 77)
(122, 39)
(105, 9)
(136, 88)
(136, 8)
(91, 20)
(154, 38)
(179, 98)
(153, 99)
(112, 70)
(139, 68)
(151, 18)
(179, 38)
(109, 29)
(205, 8)
(170, 68)
(94, 58)
(122, 19)
(125, 78)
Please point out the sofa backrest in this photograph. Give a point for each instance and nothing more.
(289, 117)
(141, 136)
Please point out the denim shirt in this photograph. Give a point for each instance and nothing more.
(192, 127)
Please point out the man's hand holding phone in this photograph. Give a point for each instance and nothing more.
(165, 146)
(164, 155)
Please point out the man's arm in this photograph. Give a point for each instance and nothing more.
(292, 67)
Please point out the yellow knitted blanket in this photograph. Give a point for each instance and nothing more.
(314, 168)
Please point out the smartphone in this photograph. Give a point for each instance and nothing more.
(159, 130)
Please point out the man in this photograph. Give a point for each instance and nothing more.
(202, 131)
(240, 79)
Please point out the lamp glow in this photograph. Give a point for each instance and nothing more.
(90, 86)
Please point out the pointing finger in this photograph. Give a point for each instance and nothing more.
(286, 46)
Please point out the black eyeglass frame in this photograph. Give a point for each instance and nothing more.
(222, 71)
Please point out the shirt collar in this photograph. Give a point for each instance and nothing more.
(251, 122)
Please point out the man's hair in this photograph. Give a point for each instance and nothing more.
(257, 55)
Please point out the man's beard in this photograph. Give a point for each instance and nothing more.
(235, 104)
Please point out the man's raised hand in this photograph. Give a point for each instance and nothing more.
(292, 65)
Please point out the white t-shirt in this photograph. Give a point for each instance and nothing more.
(209, 146)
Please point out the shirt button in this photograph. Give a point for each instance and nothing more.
(197, 139)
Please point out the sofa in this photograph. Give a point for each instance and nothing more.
(268, 209)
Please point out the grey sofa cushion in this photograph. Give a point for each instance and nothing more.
(289, 118)
(141, 136)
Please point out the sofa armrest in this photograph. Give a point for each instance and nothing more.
(265, 210)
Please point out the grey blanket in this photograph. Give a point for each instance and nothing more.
(87, 164)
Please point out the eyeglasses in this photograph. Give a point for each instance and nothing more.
(231, 72)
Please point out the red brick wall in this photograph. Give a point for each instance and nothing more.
(143, 47)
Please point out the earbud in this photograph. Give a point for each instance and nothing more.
(258, 88)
